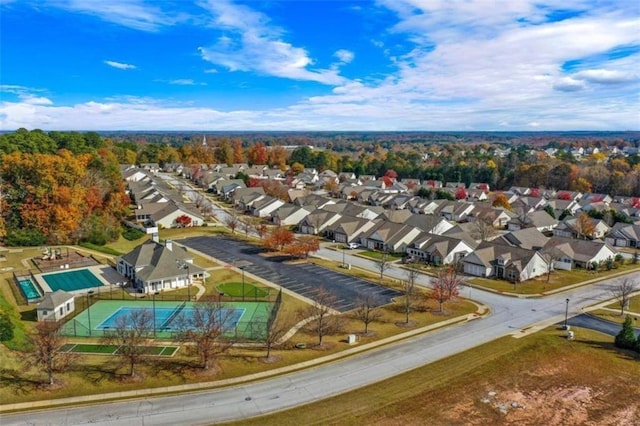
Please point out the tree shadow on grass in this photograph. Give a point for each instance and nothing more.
(15, 380)
(610, 347)
(178, 369)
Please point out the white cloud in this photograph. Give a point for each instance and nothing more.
(603, 76)
(468, 67)
(120, 65)
(568, 84)
(345, 56)
(183, 82)
(251, 44)
(129, 13)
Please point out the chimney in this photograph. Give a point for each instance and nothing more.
(169, 244)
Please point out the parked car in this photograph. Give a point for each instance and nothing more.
(353, 245)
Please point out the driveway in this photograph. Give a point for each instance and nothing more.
(595, 323)
(303, 279)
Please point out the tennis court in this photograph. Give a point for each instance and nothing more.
(79, 279)
(242, 320)
(171, 319)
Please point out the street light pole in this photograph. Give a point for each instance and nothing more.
(566, 314)
(343, 263)
(242, 269)
(154, 313)
(89, 293)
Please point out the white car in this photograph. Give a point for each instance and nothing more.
(353, 245)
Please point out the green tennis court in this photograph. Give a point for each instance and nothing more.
(98, 318)
(79, 279)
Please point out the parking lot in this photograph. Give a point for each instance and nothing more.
(303, 279)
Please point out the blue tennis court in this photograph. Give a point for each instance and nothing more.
(172, 318)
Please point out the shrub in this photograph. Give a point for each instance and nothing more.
(133, 234)
(25, 238)
(6, 327)
(626, 339)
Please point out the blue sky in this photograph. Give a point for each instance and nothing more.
(320, 65)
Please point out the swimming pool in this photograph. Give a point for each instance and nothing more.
(29, 289)
(72, 280)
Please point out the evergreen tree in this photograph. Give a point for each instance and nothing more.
(626, 339)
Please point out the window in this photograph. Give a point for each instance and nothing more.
(61, 310)
(68, 306)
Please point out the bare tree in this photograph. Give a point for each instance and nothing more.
(205, 329)
(482, 230)
(446, 286)
(326, 321)
(274, 334)
(383, 264)
(132, 333)
(622, 293)
(366, 311)
(46, 353)
(409, 287)
(261, 229)
(550, 256)
(232, 221)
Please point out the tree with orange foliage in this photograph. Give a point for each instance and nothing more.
(500, 200)
(238, 152)
(297, 168)
(584, 226)
(278, 157)
(257, 154)
(278, 238)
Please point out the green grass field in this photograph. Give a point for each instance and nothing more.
(235, 289)
(96, 349)
(558, 279)
(377, 255)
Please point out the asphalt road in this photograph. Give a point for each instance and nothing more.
(304, 279)
(589, 321)
(509, 316)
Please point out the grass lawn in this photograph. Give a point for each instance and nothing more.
(17, 314)
(614, 316)
(92, 374)
(558, 279)
(585, 381)
(235, 288)
(634, 305)
(377, 255)
(89, 348)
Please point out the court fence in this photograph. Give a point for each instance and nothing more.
(251, 330)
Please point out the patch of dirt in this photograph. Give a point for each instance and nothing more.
(272, 359)
(409, 324)
(324, 347)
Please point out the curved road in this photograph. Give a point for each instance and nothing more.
(509, 315)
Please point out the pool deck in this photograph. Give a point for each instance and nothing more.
(104, 273)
